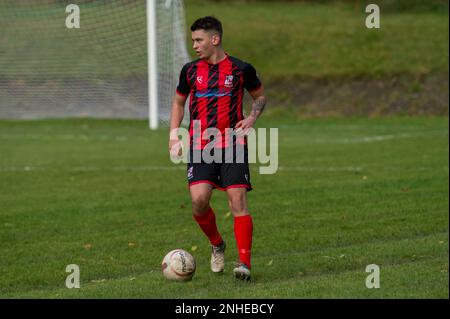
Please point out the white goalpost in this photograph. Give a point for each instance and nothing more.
(152, 65)
(165, 41)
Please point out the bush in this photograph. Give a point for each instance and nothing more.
(386, 5)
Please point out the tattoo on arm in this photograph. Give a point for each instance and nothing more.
(258, 106)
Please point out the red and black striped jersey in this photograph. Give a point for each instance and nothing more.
(216, 92)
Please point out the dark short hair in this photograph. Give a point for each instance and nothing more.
(208, 23)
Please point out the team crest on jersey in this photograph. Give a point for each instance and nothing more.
(228, 81)
(200, 79)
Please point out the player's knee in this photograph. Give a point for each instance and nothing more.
(200, 204)
(238, 205)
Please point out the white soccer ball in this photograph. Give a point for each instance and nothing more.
(178, 265)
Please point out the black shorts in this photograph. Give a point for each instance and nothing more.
(220, 175)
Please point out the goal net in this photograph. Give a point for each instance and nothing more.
(50, 68)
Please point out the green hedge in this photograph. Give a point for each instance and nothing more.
(387, 5)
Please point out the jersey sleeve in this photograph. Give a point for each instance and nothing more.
(183, 87)
(251, 80)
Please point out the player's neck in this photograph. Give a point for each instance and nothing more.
(217, 57)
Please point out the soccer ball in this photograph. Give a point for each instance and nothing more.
(178, 265)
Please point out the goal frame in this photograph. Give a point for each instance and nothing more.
(152, 65)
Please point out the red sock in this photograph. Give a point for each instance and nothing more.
(207, 223)
(243, 231)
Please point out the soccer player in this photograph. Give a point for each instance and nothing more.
(216, 83)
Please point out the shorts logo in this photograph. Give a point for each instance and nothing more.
(246, 177)
(190, 172)
(228, 81)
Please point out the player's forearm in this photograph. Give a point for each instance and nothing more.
(258, 106)
(176, 117)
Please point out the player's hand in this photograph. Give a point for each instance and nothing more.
(243, 127)
(175, 148)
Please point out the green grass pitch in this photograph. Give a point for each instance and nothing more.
(104, 195)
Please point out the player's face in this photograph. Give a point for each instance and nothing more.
(204, 43)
